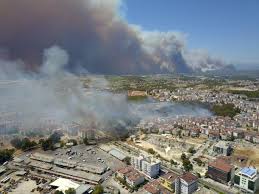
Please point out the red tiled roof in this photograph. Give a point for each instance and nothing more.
(152, 187)
(126, 170)
(134, 175)
(170, 176)
(189, 177)
(221, 165)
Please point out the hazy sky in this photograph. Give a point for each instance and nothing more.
(226, 28)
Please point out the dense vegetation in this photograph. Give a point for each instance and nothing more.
(23, 144)
(226, 110)
(98, 189)
(6, 155)
(68, 191)
(249, 94)
(136, 98)
(49, 143)
(151, 151)
(141, 83)
(187, 165)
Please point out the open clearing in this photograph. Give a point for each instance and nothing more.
(251, 153)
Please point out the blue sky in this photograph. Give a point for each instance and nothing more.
(225, 28)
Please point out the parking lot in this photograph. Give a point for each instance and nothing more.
(89, 155)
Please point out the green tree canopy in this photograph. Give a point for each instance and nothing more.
(98, 189)
(70, 191)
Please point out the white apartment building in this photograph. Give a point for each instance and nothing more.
(147, 165)
(247, 179)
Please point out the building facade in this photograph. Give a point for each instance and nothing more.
(168, 181)
(147, 165)
(222, 148)
(219, 170)
(247, 179)
(186, 184)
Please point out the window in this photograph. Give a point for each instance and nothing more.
(237, 179)
(251, 185)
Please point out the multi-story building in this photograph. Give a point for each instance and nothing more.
(222, 148)
(186, 184)
(168, 181)
(147, 165)
(219, 170)
(247, 179)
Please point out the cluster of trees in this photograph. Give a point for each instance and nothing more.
(187, 165)
(192, 150)
(6, 155)
(23, 144)
(249, 94)
(49, 143)
(127, 160)
(198, 161)
(173, 162)
(98, 189)
(85, 140)
(151, 151)
(69, 191)
(226, 110)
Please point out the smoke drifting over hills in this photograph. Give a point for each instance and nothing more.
(95, 36)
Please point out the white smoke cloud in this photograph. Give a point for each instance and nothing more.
(54, 60)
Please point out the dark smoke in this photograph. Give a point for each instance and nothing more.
(93, 34)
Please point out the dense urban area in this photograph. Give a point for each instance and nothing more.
(216, 151)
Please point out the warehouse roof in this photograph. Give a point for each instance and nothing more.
(117, 154)
(77, 173)
(64, 162)
(94, 168)
(83, 189)
(42, 157)
(40, 165)
(64, 184)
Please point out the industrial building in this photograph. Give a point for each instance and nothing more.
(62, 184)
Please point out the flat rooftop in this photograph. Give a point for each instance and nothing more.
(249, 171)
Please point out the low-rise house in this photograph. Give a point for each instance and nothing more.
(152, 187)
(249, 136)
(168, 181)
(131, 176)
(221, 171)
(256, 139)
(214, 135)
(122, 172)
(134, 178)
(238, 134)
(195, 132)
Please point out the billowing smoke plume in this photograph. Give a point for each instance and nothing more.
(55, 94)
(94, 35)
(58, 95)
